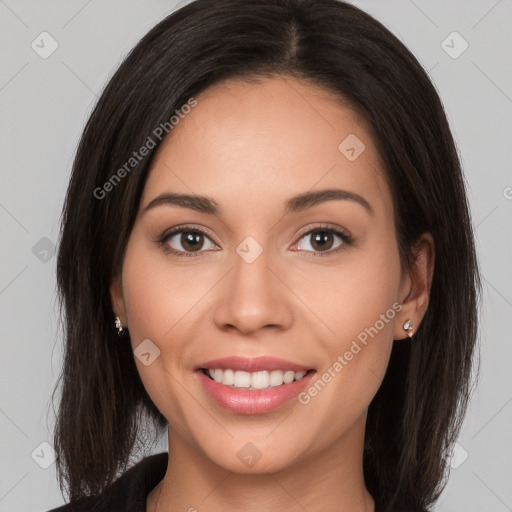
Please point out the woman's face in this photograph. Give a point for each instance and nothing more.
(313, 282)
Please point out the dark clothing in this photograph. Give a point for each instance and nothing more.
(128, 493)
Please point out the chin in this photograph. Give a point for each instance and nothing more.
(256, 454)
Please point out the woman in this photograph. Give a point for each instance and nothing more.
(266, 250)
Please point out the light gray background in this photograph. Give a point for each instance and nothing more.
(44, 104)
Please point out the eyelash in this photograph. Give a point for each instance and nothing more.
(347, 240)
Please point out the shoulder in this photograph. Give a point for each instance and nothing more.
(129, 492)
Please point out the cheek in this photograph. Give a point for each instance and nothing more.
(357, 305)
(158, 296)
(159, 301)
(347, 299)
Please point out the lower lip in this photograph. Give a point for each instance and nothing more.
(245, 401)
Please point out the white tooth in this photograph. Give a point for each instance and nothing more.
(260, 380)
(276, 378)
(288, 377)
(228, 377)
(254, 380)
(242, 379)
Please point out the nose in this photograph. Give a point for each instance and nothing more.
(253, 297)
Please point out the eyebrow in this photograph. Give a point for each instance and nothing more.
(295, 204)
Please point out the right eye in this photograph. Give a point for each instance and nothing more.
(185, 242)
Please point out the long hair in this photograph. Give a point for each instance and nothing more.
(414, 419)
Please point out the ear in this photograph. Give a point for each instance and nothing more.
(415, 285)
(117, 299)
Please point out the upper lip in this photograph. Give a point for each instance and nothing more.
(252, 364)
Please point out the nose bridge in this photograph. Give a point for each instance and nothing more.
(252, 297)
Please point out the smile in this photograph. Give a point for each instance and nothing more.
(253, 380)
(258, 385)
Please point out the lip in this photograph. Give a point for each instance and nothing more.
(244, 401)
(252, 364)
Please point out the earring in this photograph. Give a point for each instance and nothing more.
(408, 328)
(119, 327)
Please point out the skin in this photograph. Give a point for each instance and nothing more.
(250, 147)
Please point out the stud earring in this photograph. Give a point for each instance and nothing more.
(408, 328)
(119, 327)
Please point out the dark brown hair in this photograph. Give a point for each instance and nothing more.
(417, 413)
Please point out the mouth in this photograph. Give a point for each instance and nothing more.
(245, 385)
(253, 385)
(253, 380)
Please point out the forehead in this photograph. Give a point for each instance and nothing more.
(253, 144)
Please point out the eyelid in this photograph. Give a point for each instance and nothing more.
(326, 226)
(187, 227)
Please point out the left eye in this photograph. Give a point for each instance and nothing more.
(322, 240)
